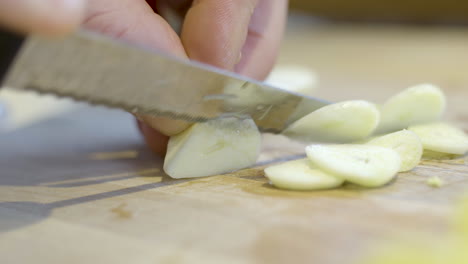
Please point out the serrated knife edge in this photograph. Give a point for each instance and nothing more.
(97, 69)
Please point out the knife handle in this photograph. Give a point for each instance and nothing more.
(10, 43)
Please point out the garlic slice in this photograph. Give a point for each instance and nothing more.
(300, 175)
(406, 143)
(418, 104)
(442, 137)
(366, 165)
(340, 122)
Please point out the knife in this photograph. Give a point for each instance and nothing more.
(100, 70)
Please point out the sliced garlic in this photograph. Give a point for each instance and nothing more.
(406, 143)
(442, 137)
(418, 104)
(365, 165)
(301, 175)
(211, 148)
(341, 122)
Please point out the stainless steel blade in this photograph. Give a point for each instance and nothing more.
(100, 70)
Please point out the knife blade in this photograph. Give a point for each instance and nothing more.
(100, 70)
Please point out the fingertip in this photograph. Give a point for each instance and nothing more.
(47, 17)
(71, 16)
(214, 31)
(135, 22)
(156, 141)
(164, 125)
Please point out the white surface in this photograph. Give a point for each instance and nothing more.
(21, 108)
(294, 78)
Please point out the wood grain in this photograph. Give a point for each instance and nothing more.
(82, 187)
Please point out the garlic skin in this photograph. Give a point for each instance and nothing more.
(214, 147)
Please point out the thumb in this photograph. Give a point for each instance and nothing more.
(51, 17)
(214, 31)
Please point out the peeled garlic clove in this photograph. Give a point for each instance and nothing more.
(442, 137)
(418, 104)
(300, 175)
(213, 147)
(366, 165)
(341, 122)
(406, 143)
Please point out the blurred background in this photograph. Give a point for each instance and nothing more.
(359, 49)
(420, 11)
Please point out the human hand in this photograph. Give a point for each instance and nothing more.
(237, 35)
(242, 36)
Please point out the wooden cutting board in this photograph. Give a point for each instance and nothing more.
(82, 187)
